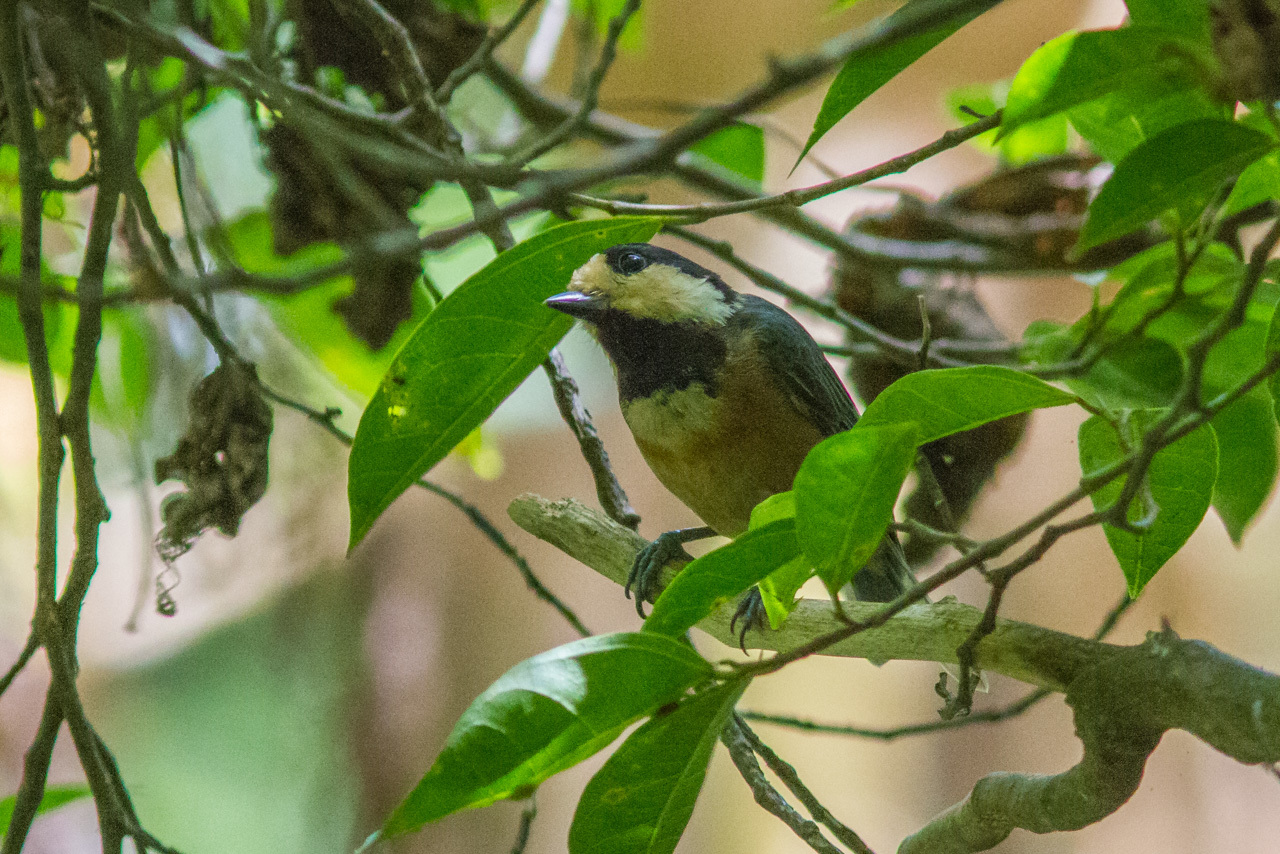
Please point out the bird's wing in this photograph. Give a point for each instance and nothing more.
(803, 372)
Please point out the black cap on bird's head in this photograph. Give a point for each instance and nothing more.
(646, 282)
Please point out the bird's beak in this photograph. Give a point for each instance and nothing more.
(577, 304)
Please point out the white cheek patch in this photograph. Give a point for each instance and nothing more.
(658, 292)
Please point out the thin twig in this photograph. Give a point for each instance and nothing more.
(612, 497)
(481, 55)
(787, 774)
(744, 758)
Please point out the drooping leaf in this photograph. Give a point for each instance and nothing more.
(546, 714)
(1076, 68)
(643, 797)
(54, 797)
(845, 492)
(1272, 348)
(868, 70)
(949, 400)
(739, 148)
(1179, 169)
(1179, 485)
(471, 352)
(721, 575)
(1246, 432)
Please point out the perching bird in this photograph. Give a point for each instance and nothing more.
(725, 394)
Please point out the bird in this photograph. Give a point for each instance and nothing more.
(725, 393)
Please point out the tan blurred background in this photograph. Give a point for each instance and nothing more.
(297, 695)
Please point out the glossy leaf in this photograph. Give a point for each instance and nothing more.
(867, 71)
(1179, 169)
(54, 797)
(1246, 432)
(949, 400)
(1116, 124)
(739, 149)
(546, 714)
(1180, 485)
(471, 352)
(719, 576)
(1076, 68)
(643, 797)
(845, 492)
(1272, 348)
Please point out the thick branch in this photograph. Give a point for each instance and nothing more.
(920, 633)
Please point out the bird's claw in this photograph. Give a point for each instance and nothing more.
(649, 563)
(751, 612)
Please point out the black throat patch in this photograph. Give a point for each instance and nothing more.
(653, 355)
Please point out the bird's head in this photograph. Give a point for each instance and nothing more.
(641, 283)
(661, 318)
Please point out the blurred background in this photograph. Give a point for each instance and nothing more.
(299, 693)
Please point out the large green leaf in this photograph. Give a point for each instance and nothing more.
(641, 800)
(1246, 432)
(1179, 169)
(1179, 483)
(469, 354)
(1119, 122)
(54, 797)
(1188, 18)
(1076, 68)
(1272, 348)
(719, 576)
(845, 492)
(946, 401)
(546, 714)
(866, 71)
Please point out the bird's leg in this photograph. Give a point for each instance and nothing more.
(652, 558)
(751, 613)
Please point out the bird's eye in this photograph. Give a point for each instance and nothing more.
(631, 263)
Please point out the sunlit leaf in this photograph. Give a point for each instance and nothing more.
(1179, 169)
(1076, 68)
(643, 797)
(867, 71)
(738, 148)
(719, 576)
(546, 714)
(472, 351)
(54, 797)
(946, 401)
(845, 492)
(1179, 485)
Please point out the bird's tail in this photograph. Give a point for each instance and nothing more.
(887, 575)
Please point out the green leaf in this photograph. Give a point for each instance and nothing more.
(547, 714)
(779, 588)
(469, 354)
(738, 148)
(1246, 432)
(1188, 18)
(1076, 68)
(1271, 349)
(866, 71)
(1117, 123)
(845, 492)
(721, 575)
(950, 400)
(1181, 168)
(1257, 184)
(1032, 141)
(641, 800)
(1132, 373)
(1180, 485)
(54, 797)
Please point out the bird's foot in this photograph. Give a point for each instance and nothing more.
(751, 613)
(649, 563)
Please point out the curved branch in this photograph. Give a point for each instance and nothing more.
(1124, 698)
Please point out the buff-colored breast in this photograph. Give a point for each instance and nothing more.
(723, 455)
